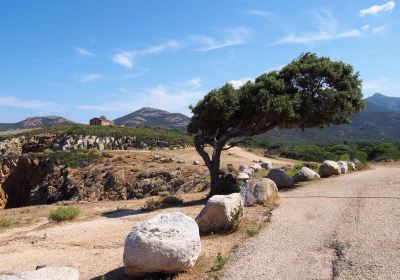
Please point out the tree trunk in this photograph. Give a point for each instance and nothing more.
(213, 163)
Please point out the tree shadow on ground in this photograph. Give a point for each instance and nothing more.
(119, 213)
(122, 213)
(119, 274)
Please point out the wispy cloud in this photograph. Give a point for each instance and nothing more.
(127, 58)
(382, 85)
(83, 51)
(260, 13)
(89, 78)
(376, 9)
(124, 58)
(15, 102)
(327, 29)
(195, 82)
(173, 98)
(156, 49)
(379, 29)
(230, 37)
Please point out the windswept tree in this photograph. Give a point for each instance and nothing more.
(310, 91)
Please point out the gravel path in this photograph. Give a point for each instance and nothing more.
(347, 227)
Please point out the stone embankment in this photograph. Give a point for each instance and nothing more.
(41, 142)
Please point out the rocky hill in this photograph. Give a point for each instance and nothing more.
(35, 122)
(384, 103)
(379, 122)
(154, 118)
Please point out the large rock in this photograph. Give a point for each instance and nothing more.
(248, 171)
(166, 243)
(306, 174)
(329, 168)
(46, 273)
(216, 216)
(266, 164)
(344, 167)
(281, 179)
(352, 165)
(256, 166)
(259, 191)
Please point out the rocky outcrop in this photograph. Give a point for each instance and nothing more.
(32, 181)
(306, 174)
(329, 168)
(266, 164)
(26, 181)
(281, 179)
(41, 142)
(260, 191)
(217, 214)
(48, 273)
(167, 243)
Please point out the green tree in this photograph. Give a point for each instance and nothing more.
(310, 91)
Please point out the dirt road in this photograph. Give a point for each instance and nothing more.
(346, 227)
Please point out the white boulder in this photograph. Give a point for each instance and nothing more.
(259, 191)
(242, 176)
(306, 174)
(248, 171)
(329, 168)
(48, 273)
(256, 166)
(344, 167)
(216, 216)
(166, 243)
(352, 165)
(266, 164)
(280, 178)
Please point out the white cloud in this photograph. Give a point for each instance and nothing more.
(27, 104)
(83, 51)
(366, 27)
(124, 58)
(195, 82)
(349, 34)
(89, 78)
(260, 13)
(382, 85)
(379, 30)
(327, 29)
(238, 83)
(231, 37)
(376, 9)
(156, 49)
(169, 98)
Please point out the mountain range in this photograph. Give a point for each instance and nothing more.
(379, 122)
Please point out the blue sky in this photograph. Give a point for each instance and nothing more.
(80, 59)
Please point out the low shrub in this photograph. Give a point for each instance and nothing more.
(5, 222)
(235, 217)
(63, 213)
(220, 262)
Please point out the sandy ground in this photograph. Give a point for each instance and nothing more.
(347, 227)
(93, 243)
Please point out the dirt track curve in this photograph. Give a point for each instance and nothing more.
(347, 227)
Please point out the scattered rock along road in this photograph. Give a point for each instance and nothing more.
(346, 227)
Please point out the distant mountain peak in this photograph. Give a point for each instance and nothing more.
(153, 117)
(35, 122)
(383, 102)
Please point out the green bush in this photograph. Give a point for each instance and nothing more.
(220, 262)
(63, 214)
(73, 158)
(236, 216)
(228, 184)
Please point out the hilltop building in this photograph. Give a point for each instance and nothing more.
(103, 121)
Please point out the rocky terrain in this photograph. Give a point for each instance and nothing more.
(39, 143)
(26, 180)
